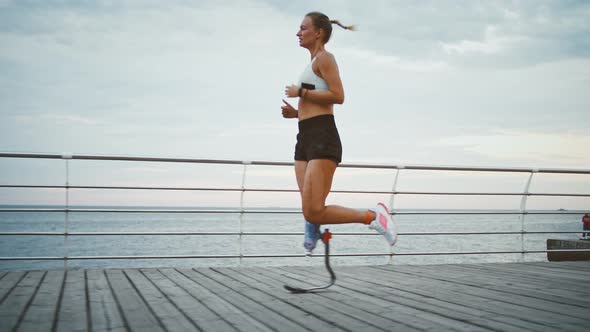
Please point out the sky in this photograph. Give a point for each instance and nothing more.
(477, 83)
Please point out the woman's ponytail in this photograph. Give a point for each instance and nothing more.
(345, 27)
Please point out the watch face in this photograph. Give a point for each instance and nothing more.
(308, 86)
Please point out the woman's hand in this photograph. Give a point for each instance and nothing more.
(292, 91)
(289, 111)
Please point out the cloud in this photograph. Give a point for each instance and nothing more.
(152, 70)
(391, 61)
(476, 34)
(56, 119)
(546, 148)
(146, 170)
(206, 78)
(491, 43)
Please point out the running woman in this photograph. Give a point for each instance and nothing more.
(318, 150)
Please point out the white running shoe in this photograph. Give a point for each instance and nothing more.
(384, 224)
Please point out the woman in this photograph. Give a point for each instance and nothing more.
(318, 150)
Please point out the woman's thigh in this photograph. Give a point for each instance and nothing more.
(317, 183)
(300, 168)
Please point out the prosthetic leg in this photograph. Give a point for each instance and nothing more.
(326, 236)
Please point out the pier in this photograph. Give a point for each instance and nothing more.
(539, 296)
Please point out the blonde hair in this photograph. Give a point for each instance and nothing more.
(321, 21)
(345, 27)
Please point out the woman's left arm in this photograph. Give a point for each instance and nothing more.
(329, 71)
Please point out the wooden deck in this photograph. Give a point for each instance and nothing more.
(481, 297)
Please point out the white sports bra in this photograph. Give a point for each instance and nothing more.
(309, 77)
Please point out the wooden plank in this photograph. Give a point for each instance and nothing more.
(571, 274)
(339, 316)
(9, 282)
(297, 308)
(463, 317)
(511, 277)
(16, 302)
(503, 283)
(304, 305)
(570, 266)
(536, 280)
(104, 313)
(504, 304)
(199, 314)
(578, 268)
(41, 312)
(507, 282)
(552, 289)
(450, 293)
(355, 297)
(72, 315)
(261, 312)
(533, 272)
(507, 277)
(136, 314)
(328, 304)
(390, 290)
(172, 319)
(227, 310)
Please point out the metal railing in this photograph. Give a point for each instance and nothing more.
(242, 210)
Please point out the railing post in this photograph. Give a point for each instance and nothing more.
(240, 253)
(392, 201)
(394, 188)
(67, 157)
(523, 202)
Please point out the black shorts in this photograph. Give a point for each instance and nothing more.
(318, 139)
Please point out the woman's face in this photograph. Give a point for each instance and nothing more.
(307, 33)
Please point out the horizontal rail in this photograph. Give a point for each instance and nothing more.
(434, 193)
(271, 163)
(276, 233)
(477, 212)
(69, 258)
(150, 188)
(489, 252)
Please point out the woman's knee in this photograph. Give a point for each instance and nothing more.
(313, 214)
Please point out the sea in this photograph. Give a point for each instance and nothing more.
(262, 221)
